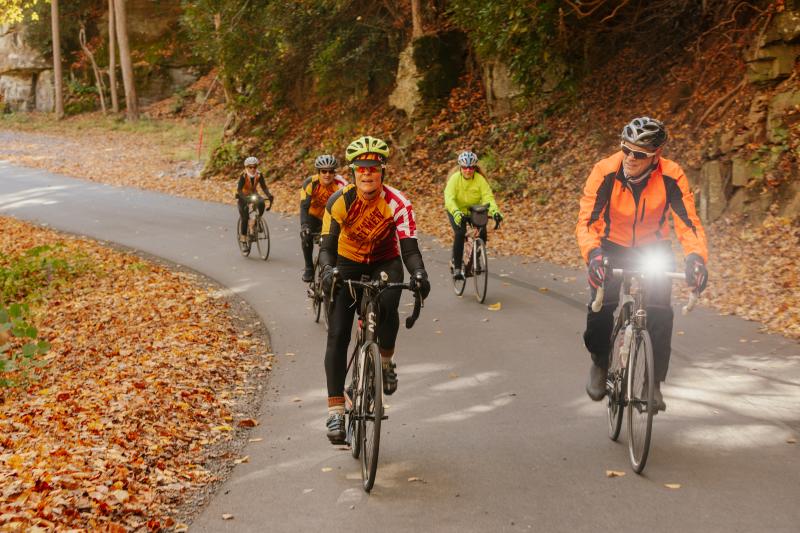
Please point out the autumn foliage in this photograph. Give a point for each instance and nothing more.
(140, 385)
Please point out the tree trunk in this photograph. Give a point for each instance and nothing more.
(416, 19)
(57, 75)
(132, 106)
(112, 58)
(98, 77)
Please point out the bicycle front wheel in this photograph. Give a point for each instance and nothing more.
(480, 264)
(262, 239)
(371, 414)
(615, 390)
(244, 247)
(354, 409)
(316, 290)
(641, 406)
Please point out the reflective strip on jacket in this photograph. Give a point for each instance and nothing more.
(610, 212)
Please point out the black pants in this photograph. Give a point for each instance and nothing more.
(599, 326)
(341, 319)
(243, 212)
(307, 244)
(459, 232)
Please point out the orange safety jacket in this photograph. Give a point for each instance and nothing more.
(609, 211)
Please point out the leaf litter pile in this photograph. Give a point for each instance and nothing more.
(142, 389)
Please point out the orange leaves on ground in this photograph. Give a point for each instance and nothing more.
(114, 434)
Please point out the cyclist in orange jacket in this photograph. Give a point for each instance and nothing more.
(623, 214)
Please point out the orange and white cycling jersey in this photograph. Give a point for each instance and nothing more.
(369, 231)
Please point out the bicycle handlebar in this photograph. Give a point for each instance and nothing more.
(597, 304)
(380, 285)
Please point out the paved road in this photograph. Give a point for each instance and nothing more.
(490, 415)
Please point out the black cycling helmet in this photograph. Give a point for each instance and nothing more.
(646, 132)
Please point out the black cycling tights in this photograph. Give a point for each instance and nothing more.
(307, 244)
(243, 212)
(344, 308)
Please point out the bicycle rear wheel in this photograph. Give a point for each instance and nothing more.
(641, 406)
(615, 385)
(480, 265)
(372, 412)
(316, 284)
(244, 246)
(262, 239)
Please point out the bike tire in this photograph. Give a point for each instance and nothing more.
(615, 385)
(480, 268)
(316, 288)
(458, 284)
(262, 239)
(353, 426)
(641, 406)
(371, 414)
(244, 247)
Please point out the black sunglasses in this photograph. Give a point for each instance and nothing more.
(327, 172)
(636, 153)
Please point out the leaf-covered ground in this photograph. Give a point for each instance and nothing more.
(147, 382)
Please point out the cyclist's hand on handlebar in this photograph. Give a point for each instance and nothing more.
(458, 218)
(696, 272)
(597, 270)
(328, 273)
(305, 231)
(419, 281)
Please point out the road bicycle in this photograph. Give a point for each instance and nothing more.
(257, 229)
(630, 382)
(320, 302)
(364, 395)
(475, 262)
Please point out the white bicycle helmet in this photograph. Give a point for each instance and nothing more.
(467, 159)
(251, 161)
(326, 161)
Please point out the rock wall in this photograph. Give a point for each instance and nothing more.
(26, 79)
(749, 169)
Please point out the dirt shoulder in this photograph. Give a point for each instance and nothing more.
(754, 269)
(151, 384)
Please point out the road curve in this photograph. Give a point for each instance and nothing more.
(490, 429)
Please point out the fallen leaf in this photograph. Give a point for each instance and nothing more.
(223, 427)
(326, 469)
(245, 459)
(495, 307)
(544, 289)
(416, 479)
(672, 485)
(614, 473)
(297, 400)
(227, 516)
(255, 439)
(307, 491)
(791, 440)
(248, 423)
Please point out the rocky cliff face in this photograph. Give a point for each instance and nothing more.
(746, 168)
(161, 66)
(26, 79)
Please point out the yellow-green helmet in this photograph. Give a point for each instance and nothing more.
(367, 145)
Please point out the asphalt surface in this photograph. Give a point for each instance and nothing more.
(490, 429)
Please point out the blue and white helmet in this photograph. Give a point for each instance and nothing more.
(251, 161)
(467, 159)
(326, 161)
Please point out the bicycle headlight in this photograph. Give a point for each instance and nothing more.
(655, 262)
(253, 197)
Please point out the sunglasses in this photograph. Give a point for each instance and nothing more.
(327, 172)
(636, 153)
(468, 168)
(250, 166)
(368, 170)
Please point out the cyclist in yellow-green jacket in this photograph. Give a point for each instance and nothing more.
(466, 187)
